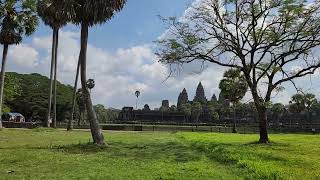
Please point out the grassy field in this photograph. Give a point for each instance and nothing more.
(57, 154)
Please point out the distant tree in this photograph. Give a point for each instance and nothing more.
(234, 87)
(299, 103)
(196, 111)
(56, 14)
(89, 13)
(30, 96)
(173, 108)
(214, 108)
(242, 109)
(294, 108)
(215, 117)
(303, 102)
(187, 110)
(106, 115)
(277, 110)
(263, 39)
(17, 19)
(146, 107)
(316, 108)
(164, 109)
(310, 101)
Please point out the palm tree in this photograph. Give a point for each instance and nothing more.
(89, 13)
(137, 93)
(56, 14)
(233, 87)
(74, 99)
(17, 18)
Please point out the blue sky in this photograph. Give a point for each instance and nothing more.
(138, 23)
(121, 58)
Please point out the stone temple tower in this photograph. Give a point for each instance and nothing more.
(182, 99)
(214, 98)
(200, 96)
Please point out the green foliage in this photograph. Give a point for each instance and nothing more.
(106, 115)
(28, 94)
(164, 109)
(187, 109)
(159, 155)
(196, 110)
(233, 85)
(17, 18)
(215, 116)
(55, 13)
(173, 108)
(214, 109)
(278, 108)
(302, 102)
(93, 12)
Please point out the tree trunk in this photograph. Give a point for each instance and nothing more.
(75, 87)
(80, 118)
(92, 117)
(234, 128)
(54, 120)
(51, 78)
(262, 115)
(2, 77)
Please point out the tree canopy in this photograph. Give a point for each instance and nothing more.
(28, 94)
(262, 38)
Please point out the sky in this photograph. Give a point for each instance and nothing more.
(121, 58)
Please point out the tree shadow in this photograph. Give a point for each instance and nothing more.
(172, 150)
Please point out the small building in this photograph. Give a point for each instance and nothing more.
(13, 117)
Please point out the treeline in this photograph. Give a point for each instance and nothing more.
(28, 94)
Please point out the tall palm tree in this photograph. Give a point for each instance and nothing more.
(56, 14)
(18, 18)
(74, 99)
(89, 13)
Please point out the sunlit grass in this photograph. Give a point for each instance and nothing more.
(56, 154)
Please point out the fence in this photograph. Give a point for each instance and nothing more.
(222, 128)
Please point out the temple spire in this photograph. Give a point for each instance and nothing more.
(200, 96)
(182, 99)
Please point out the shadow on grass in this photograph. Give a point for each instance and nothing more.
(172, 151)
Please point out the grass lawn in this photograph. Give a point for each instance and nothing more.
(57, 154)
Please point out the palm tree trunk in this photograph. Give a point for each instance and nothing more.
(80, 118)
(51, 78)
(96, 131)
(234, 129)
(2, 76)
(70, 123)
(54, 121)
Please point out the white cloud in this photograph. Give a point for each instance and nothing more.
(23, 55)
(117, 74)
(120, 73)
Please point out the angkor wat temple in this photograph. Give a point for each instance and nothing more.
(174, 113)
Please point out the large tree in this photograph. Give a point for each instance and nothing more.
(262, 38)
(303, 102)
(234, 87)
(56, 14)
(88, 13)
(17, 18)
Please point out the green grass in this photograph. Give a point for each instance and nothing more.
(57, 154)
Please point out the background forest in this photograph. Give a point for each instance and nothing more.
(28, 95)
